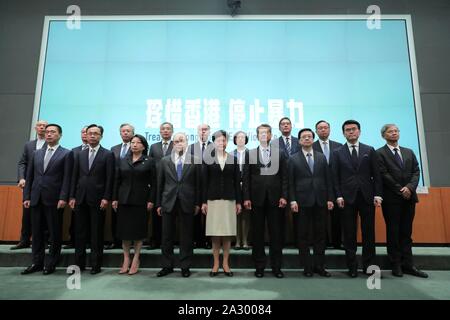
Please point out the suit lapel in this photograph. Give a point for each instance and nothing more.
(391, 156)
(97, 156)
(173, 170)
(304, 162)
(53, 158)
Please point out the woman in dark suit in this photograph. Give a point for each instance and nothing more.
(221, 199)
(134, 194)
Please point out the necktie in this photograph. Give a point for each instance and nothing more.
(164, 148)
(326, 151)
(179, 169)
(310, 162)
(47, 158)
(91, 158)
(203, 149)
(266, 156)
(288, 146)
(84, 147)
(124, 151)
(241, 163)
(397, 157)
(354, 157)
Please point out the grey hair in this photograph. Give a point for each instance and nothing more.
(127, 124)
(386, 127)
(162, 124)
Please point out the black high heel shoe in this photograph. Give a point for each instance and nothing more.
(214, 273)
(228, 274)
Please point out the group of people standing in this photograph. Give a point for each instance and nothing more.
(203, 187)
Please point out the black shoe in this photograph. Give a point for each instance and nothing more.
(414, 272)
(111, 246)
(69, 246)
(228, 274)
(307, 273)
(238, 248)
(322, 272)
(185, 273)
(20, 245)
(397, 271)
(259, 273)
(214, 273)
(278, 273)
(48, 271)
(352, 273)
(165, 272)
(32, 269)
(96, 270)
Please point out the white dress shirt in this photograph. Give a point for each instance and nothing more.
(39, 143)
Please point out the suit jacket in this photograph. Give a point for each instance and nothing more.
(295, 147)
(156, 151)
(222, 184)
(246, 161)
(395, 177)
(366, 177)
(309, 188)
(91, 186)
(28, 150)
(195, 149)
(333, 145)
(187, 190)
(135, 182)
(116, 151)
(261, 181)
(50, 185)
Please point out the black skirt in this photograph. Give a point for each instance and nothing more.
(132, 222)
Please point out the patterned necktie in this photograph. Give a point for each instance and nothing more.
(179, 168)
(47, 158)
(84, 147)
(164, 148)
(288, 146)
(266, 157)
(124, 151)
(397, 157)
(354, 157)
(326, 151)
(310, 162)
(91, 158)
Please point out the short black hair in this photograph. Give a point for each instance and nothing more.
(306, 129)
(220, 133)
(317, 123)
(54, 125)
(95, 126)
(263, 125)
(236, 134)
(351, 122)
(143, 141)
(284, 118)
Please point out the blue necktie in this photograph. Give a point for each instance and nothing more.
(326, 151)
(288, 146)
(179, 169)
(310, 162)
(397, 158)
(124, 151)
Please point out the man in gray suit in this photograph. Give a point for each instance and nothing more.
(158, 151)
(310, 195)
(178, 194)
(120, 151)
(326, 146)
(28, 150)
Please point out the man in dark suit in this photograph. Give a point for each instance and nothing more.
(311, 196)
(46, 193)
(289, 145)
(28, 150)
(76, 150)
(400, 174)
(91, 192)
(157, 152)
(178, 197)
(199, 150)
(120, 151)
(358, 187)
(326, 146)
(265, 189)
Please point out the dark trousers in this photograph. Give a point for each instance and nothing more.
(185, 223)
(25, 232)
(334, 227)
(399, 223)
(349, 220)
(52, 217)
(311, 224)
(275, 219)
(156, 228)
(89, 217)
(199, 228)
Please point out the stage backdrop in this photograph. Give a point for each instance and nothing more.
(230, 73)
